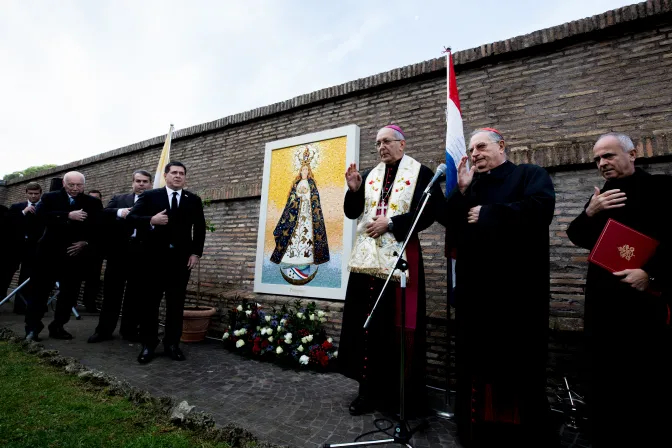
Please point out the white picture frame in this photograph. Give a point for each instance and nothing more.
(329, 153)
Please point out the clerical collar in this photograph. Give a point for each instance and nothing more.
(498, 172)
(394, 165)
(625, 182)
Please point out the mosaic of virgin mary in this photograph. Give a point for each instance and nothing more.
(300, 235)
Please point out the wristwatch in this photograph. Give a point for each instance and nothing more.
(389, 225)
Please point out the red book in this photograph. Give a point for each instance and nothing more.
(621, 247)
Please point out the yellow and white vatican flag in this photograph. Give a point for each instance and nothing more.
(159, 181)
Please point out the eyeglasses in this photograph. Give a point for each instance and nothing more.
(385, 142)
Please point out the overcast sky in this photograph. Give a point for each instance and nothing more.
(79, 78)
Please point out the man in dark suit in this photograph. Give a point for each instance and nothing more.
(71, 221)
(124, 248)
(172, 214)
(28, 229)
(94, 265)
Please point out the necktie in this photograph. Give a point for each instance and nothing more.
(135, 231)
(173, 203)
(72, 200)
(172, 220)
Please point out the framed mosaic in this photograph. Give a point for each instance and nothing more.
(304, 239)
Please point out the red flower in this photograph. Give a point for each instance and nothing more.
(327, 345)
(256, 349)
(370, 182)
(264, 344)
(408, 182)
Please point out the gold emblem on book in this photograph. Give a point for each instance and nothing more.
(627, 252)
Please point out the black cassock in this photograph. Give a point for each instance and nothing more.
(372, 356)
(501, 304)
(627, 334)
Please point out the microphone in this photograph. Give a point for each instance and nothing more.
(440, 171)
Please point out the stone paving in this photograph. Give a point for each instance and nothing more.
(278, 405)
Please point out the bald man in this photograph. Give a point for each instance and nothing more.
(70, 219)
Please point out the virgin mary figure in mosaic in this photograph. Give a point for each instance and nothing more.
(300, 235)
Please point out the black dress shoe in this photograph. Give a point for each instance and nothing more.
(98, 337)
(174, 352)
(32, 336)
(59, 333)
(146, 355)
(361, 405)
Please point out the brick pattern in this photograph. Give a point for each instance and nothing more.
(642, 15)
(550, 92)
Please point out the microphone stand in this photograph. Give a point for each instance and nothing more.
(402, 431)
(11, 294)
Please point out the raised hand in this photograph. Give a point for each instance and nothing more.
(605, 201)
(77, 215)
(29, 209)
(353, 178)
(464, 176)
(124, 212)
(160, 219)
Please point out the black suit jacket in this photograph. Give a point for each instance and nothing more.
(28, 227)
(60, 232)
(188, 225)
(118, 230)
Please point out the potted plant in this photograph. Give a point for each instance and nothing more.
(196, 318)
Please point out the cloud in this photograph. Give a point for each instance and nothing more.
(354, 42)
(80, 78)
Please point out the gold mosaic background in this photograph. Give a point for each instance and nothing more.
(329, 177)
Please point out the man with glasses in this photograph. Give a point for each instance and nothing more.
(384, 200)
(498, 218)
(71, 221)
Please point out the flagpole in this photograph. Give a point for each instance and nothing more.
(448, 413)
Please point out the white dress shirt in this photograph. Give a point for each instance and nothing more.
(135, 199)
(170, 195)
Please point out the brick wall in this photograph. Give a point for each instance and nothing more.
(550, 92)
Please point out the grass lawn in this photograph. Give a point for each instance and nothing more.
(43, 407)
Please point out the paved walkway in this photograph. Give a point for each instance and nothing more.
(278, 405)
(281, 406)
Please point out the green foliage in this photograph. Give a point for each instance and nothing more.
(208, 222)
(42, 407)
(27, 172)
(292, 335)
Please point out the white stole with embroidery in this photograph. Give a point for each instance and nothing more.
(375, 256)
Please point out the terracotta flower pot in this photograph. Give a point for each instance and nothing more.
(195, 322)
